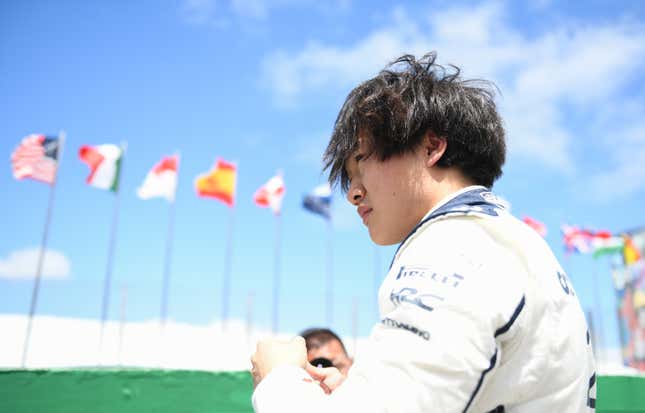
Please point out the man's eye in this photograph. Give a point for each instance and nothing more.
(358, 157)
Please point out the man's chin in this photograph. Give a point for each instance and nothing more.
(382, 240)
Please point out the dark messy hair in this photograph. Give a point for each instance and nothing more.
(409, 98)
(317, 337)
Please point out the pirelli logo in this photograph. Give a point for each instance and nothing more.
(421, 272)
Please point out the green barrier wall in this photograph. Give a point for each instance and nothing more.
(124, 391)
(619, 394)
(176, 391)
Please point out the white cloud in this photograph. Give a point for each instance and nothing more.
(583, 65)
(628, 174)
(22, 264)
(580, 68)
(318, 66)
(627, 178)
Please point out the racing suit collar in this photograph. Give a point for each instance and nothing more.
(471, 200)
(447, 199)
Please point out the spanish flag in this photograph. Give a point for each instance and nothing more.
(219, 183)
(630, 252)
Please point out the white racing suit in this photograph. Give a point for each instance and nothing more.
(477, 316)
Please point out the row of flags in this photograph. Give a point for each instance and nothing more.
(36, 157)
(599, 243)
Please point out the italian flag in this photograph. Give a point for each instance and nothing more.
(605, 243)
(105, 164)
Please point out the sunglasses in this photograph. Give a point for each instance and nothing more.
(321, 362)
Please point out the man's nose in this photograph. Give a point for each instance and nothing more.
(355, 194)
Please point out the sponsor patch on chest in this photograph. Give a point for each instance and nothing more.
(422, 286)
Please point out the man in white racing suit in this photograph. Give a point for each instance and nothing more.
(476, 313)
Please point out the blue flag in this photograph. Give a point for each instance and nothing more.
(319, 201)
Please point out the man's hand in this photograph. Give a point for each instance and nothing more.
(328, 377)
(272, 353)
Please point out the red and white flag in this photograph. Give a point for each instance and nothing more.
(539, 227)
(270, 194)
(161, 181)
(37, 158)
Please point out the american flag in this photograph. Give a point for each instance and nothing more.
(37, 158)
(576, 239)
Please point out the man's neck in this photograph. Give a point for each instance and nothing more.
(446, 183)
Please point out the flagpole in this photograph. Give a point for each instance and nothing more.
(124, 300)
(249, 316)
(41, 255)
(227, 269)
(598, 310)
(329, 276)
(615, 266)
(111, 247)
(165, 291)
(276, 274)
(165, 287)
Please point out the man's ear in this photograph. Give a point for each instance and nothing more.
(434, 147)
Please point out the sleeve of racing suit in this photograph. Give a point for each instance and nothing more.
(435, 347)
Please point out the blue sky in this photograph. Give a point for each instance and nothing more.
(260, 82)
